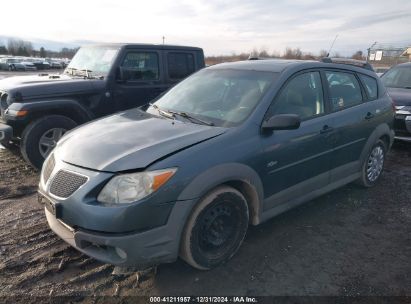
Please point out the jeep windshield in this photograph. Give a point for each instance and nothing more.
(398, 77)
(218, 97)
(92, 60)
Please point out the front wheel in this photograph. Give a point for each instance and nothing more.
(215, 229)
(41, 136)
(373, 165)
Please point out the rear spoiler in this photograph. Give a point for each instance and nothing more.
(354, 62)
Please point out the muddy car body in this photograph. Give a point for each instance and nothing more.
(233, 144)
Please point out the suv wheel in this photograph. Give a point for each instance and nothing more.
(215, 229)
(373, 165)
(40, 137)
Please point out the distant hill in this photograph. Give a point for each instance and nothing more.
(50, 45)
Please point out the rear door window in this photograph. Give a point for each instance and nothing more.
(180, 65)
(370, 85)
(344, 90)
(141, 66)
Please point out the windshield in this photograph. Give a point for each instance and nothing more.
(398, 77)
(96, 60)
(223, 98)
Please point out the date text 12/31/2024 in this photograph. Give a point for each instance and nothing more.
(208, 299)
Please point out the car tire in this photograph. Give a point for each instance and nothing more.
(215, 229)
(45, 129)
(373, 165)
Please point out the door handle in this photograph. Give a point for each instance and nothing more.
(326, 129)
(369, 115)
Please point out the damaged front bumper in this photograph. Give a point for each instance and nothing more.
(138, 250)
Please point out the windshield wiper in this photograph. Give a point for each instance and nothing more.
(192, 118)
(172, 114)
(162, 112)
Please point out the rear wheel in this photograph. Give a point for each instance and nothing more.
(373, 165)
(215, 229)
(41, 136)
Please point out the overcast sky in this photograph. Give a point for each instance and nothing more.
(220, 27)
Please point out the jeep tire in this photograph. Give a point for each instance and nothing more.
(51, 127)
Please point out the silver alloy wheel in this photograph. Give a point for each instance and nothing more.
(49, 140)
(375, 163)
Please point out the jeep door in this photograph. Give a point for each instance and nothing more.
(297, 161)
(141, 78)
(353, 120)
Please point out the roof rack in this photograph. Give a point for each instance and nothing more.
(358, 63)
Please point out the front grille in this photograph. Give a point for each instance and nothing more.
(65, 183)
(399, 124)
(48, 168)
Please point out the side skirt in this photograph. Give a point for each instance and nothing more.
(267, 214)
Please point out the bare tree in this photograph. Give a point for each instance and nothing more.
(323, 53)
(358, 55)
(19, 47)
(293, 53)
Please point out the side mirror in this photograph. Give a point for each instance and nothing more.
(282, 122)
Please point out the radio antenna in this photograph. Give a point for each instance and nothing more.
(332, 44)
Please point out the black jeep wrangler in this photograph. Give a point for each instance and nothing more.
(101, 79)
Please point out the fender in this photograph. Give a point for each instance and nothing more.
(226, 173)
(69, 107)
(380, 131)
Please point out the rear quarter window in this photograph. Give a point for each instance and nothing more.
(180, 65)
(370, 85)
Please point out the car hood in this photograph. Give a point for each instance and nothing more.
(45, 85)
(129, 140)
(401, 97)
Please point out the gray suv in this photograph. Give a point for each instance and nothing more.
(232, 145)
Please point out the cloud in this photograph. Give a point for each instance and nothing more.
(219, 26)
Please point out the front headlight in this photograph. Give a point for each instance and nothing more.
(128, 188)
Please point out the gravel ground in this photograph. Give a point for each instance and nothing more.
(352, 241)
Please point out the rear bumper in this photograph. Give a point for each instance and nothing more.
(6, 132)
(140, 250)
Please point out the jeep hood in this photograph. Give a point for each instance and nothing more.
(401, 97)
(38, 86)
(129, 140)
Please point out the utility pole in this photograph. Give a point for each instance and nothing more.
(164, 38)
(369, 50)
